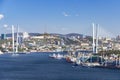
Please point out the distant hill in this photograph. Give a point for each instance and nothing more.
(38, 34)
(61, 35)
(74, 34)
(10, 34)
(35, 34)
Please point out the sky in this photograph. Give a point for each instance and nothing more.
(60, 16)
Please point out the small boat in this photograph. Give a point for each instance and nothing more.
(56, 56)
(68, 59)
(59, 56)
(52, 55)
(90, 64)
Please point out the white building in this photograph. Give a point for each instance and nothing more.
(25, 35)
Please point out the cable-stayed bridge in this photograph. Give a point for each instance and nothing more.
(101, 32)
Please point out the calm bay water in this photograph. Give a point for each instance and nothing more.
(39, 66)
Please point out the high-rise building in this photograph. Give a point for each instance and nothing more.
(3, 36)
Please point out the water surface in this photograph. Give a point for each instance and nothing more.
(39, 66)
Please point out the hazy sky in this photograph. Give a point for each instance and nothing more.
(60, 16)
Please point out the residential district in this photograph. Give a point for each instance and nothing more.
(36, 42)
